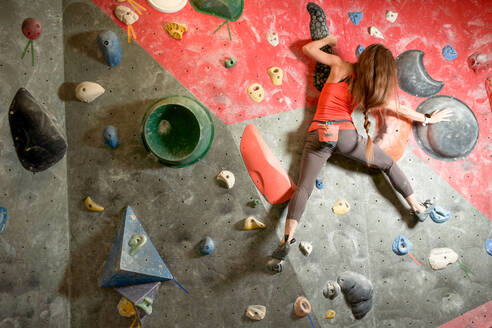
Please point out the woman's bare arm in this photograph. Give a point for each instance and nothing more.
(313, 50)
(440, 115)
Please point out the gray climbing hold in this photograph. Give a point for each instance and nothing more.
(402, 245)
(275, 265)
(447, 141)
(331, 289)
(38, 138)
(358, 291)
(319, 30)
(110, 135)
(413, 77)
(207, 247)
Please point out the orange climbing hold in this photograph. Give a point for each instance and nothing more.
(391, 133)
(269, 177)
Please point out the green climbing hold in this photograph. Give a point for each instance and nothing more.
(229, 10)
(136, 242)
(145, 305)
(230, 62)
(187, 135)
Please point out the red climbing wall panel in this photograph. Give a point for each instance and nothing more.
(197, 61)
(480, 317)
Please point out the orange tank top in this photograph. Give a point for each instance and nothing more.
(335, 103)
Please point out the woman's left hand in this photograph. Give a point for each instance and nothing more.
(441, 115)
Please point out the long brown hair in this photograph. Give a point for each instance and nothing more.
(375, 82)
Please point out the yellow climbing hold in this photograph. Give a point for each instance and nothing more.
(126, 308)
(250, 223)
(176, 30)
(92, 206)
(341, 206)
(330, 314)
(276, 74)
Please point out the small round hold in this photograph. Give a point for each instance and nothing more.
(449, 53)
(31, 28)
(110, 135)
(330, 314)
(319, 184)
(302, 307)
(230, 62)
(207, 247)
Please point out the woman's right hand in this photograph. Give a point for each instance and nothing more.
(441, 115)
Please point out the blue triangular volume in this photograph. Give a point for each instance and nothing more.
(355, 17)
(143, 266)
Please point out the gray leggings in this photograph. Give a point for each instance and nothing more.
(351, 145)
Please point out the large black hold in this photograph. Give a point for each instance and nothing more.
(319, 30)
(358, 291)
(38, 139)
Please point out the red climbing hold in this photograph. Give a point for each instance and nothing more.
(269, 177)
(488, 87)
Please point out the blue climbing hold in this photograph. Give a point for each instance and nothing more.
(207, 247)
(319, 184)
(402, 245)
(3, 218)
(355, 17)
(359, 50)
(449, 53)
(110, 135)
(439, 214)
(110, 47)
(488, 246)
(140, 267)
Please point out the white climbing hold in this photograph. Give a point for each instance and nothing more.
(126, 15)
(256, 312)
(88, 91)
(276, 74)
(164, 127)
(227, 178)
(272, 38)
(256, 92)
(167, 6)
(439, 258)
(250, 223)
(391, 16)
(375, 32)
(306, 247)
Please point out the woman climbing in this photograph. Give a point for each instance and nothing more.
(368, 84)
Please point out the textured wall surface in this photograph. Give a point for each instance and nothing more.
(34, 245)
(54, 250)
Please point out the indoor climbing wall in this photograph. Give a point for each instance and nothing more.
(428, 26)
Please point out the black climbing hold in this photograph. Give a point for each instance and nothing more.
(319, 30)
(38, 138)
(447, 141)
(358, 291)
(413, 77)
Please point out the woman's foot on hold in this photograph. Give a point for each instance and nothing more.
(282, 250)
(423, 212)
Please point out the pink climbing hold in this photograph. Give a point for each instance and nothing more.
(488, 87)
(268, 175)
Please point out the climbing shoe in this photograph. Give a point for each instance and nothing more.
(421, 216)
(282, 250)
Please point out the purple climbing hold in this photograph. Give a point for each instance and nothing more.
(359, 50)
(355, 17)
(449, 53)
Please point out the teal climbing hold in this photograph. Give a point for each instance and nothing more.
(124, 268)
(229, 10)
(137, 294)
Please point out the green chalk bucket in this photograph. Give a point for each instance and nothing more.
(177, 130)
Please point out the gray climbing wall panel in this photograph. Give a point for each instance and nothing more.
(34, 245)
